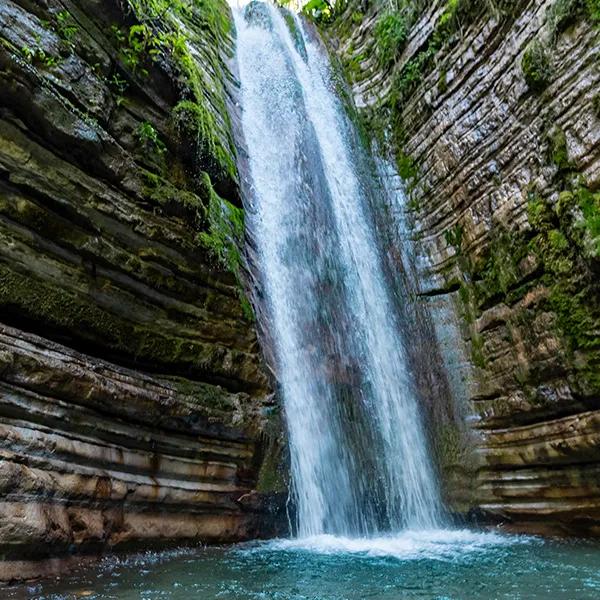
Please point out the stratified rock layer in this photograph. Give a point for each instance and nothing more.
(503, 171)
(133, 398)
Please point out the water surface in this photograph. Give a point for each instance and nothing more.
(425, 565)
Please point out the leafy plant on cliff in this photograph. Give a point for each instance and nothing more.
(149, 139)
(38, 56)
(139, 47)
(390, 31)
(321, 11)
(66, 28)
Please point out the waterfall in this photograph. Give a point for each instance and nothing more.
(359, 459)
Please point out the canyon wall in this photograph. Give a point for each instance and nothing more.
(491, 112)
(135, 409)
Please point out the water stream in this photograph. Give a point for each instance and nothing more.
(359, 458)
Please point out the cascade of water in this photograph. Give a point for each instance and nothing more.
(358, 450)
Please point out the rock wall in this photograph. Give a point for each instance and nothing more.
(134, 405)
(491, 111)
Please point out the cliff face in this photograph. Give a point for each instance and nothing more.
(491, 112)
(134, 404)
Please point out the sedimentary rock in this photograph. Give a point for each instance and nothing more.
(491, 111)
(135, 408)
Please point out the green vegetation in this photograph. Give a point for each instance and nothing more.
(225, 229)
(174, 200)
(119, 86)
(149, 140)
(564, 13)
(56, 307)
(537, 66)
(66, 29)
(219, 223)
(537, 60)
(454, 237)
(593, 9)
(323, 11)
(559, 152)
(37, 56)
(456, 16)
(443, 81)
(224, 236)
(357, 17)
(581, 208)
(390, 31)
(563, 248)
(162, 32)
(406, 167)
(139, 46)
(196, 129)
(560, 253)
(393, 28)
(596, 105)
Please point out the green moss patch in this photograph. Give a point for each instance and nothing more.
(224, 237)
(537, 66)
(83, 319)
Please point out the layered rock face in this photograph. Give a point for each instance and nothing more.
(491, 111)
(134, 404)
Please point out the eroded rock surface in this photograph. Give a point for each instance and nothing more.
(501, 161)
(134, 405)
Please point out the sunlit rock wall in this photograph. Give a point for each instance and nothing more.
(492, 114)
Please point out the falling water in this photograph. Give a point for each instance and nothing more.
(359, 459)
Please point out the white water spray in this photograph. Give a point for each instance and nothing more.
(360, 465)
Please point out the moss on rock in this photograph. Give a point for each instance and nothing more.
(537, 66)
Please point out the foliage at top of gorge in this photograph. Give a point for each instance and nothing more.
(395, 19)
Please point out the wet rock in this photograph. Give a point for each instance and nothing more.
(132, 388)
(257, 13)
(500, 178)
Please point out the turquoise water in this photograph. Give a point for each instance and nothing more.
(433, 565)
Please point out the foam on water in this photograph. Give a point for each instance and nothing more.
(432, 544)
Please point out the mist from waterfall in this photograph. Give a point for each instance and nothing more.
(359, 459)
